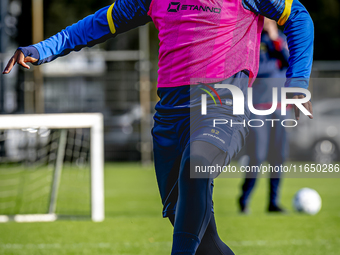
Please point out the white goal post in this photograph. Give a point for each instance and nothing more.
(93, 121)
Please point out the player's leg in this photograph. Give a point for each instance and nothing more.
(194, 207)
(257, 149)
(276, 158)
(211, 242)
(167, 159)
(174, 103)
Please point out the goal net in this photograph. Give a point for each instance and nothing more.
(51, 166)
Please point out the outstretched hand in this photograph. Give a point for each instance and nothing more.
(19, 58)
(307, 105)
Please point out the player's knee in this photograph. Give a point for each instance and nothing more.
(201, 155)
(195, 155)
(190, 162)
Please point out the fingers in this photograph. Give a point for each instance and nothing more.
(19, 58)
(30, 60)
(311, 109)
(307, 105)
(297, 112)
(10, 65)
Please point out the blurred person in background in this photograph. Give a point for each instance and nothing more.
(267, 142)
(201, 43)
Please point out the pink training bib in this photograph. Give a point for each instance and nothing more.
(205, 41)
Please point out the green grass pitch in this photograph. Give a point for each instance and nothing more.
(134, 225)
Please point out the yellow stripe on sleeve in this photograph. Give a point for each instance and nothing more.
(110, 20)
(286, 12)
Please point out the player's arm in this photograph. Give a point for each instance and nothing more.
(281, 50)
(106, 23)
(299, 29)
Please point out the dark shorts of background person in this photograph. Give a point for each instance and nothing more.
(265, 143)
